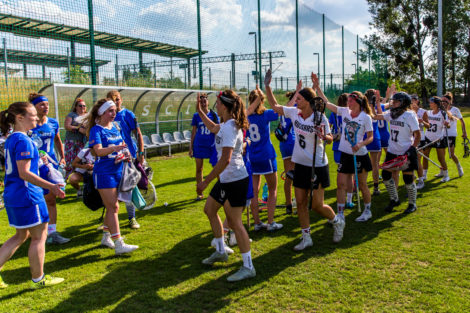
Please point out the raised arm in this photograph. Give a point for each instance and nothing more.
(269, 93)
(211, 126)
(316, 86)
(252, 108)
(378, 107)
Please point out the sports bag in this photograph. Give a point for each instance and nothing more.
(91, 196)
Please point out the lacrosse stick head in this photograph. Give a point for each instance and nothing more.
(466, 148)
(318, 107)
(351, 128)
(399, 163)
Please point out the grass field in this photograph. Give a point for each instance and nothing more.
(395, 262)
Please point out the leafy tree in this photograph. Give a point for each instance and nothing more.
(77, 75)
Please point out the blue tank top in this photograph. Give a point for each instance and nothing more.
(43, 136)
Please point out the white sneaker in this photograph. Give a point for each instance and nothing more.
(441, 174)
(274, 226)
(305, 242)
(338, 228)
(365, 216)
(260, 226)
(420, 184)
(107, 241)
(228, 250)
(445, 179)
(460, 170)
(232, 239)
(121, 247)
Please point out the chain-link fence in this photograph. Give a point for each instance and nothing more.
(158, 44)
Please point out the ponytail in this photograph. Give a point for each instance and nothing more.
(92, 117)
(236, 107)
(8, 116)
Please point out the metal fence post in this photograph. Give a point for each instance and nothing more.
(324, 65)
(5, 60)
(297, 36)
(91, 30)
(199, 43)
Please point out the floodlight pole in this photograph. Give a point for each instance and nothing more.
(324, 62)
(318, 63)
(199, 43)
(297, 36)
(259, 44)
(256, 56)
(439, 48)
(342, 55)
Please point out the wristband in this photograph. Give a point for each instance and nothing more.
(141, 152)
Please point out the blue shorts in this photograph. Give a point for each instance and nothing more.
(287, 148)
(264, 167)
(374, 146)
(337, 156)
(249, 194)
(26, 217)
(384, 137)
(103, 181)
(202, 152)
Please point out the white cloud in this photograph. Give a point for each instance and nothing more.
(109, 6)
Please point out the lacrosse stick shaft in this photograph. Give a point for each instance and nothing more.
(324, 146)
(313, 172)
(427, 158)
(357, 185)
(427, 145)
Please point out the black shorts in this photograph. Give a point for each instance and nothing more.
(235, 192)
(440, 144)
(346, 163)
(422, 143)
(452, 140)
(303, 176)
(412, 159)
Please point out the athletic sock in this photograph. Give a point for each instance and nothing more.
(392, 189)
(51, 228)
(367, 206)
(306, 230)
(247, 262)
(35, 280)
(115, 236)
(106, 230)
(130, 210)
(336, 219)
(226, 230)
(411, 189)
(425, 174)
(219, 244)
(445, 173)
(349, 197)
(340, 207)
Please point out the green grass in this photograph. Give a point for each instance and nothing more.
(418, 262)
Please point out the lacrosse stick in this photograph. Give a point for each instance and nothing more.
(351, 128)
(466, 148)
(318, 106)
(428, 144)
(444, 115)
(399, 163)
(427, 158)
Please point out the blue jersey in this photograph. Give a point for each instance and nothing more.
(286, 125)
(204, 138)
(127, 122)
(383, 125)
(43, 136)
(261, 148)
(20, 193)
(337, 123)
(375, 127)
(106, 138)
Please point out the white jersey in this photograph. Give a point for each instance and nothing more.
(305, 137)
(401, 131)
(85, 157)
(231, 136)
(365, 122)
(436, 127)
(452, 132)
(420, 115)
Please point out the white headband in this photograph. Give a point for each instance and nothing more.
(105, 106)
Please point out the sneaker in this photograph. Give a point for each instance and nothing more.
(260, 226)
(445, 179)
(460, 170)
(120, 247)
(410, 209)
(46, 281)
(376, 192)
(441, 174)
(3, 285)
(420, 184)
(391, 205)
(338, 229)
(243, 273)
(56, 238)
(228, 250)
(79, 193)
(349, 205)
(305, 242)
(199, 198)
(365, 216)
(232, 239)
(107, 241)
(289, 209)
(274, 226)
(215, 257)
(100, 227)
(133, 223)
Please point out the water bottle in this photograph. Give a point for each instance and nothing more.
(265, 192)
(55, 176)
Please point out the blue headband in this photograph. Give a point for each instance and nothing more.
(39, 99)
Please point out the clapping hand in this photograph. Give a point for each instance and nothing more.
(268, 77)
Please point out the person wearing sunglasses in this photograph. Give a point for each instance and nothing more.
(447, 101)
(357, 122)
(75, 138)
(202, 144)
